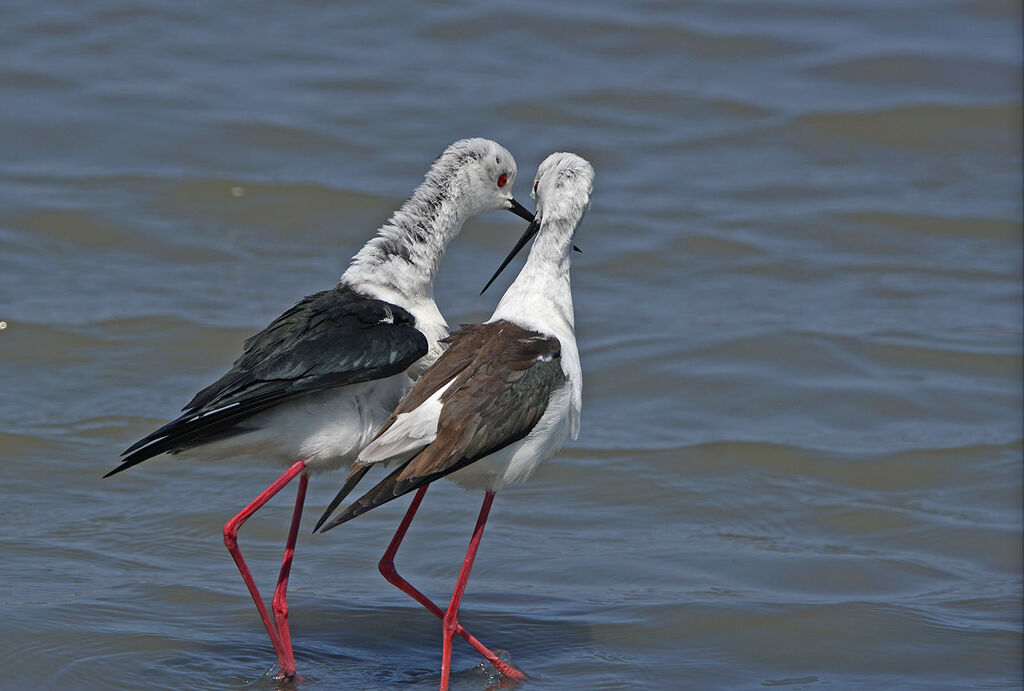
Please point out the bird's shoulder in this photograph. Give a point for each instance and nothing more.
(474, 349)
(323, 312)
(496, 399)
(327, 338)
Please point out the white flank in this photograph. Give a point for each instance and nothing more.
(410, 433)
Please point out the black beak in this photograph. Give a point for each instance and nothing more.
(531, 230)
(519, 210)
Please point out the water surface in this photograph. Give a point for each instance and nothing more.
(798, 309)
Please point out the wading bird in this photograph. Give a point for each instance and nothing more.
(313, 387)
(503, 397)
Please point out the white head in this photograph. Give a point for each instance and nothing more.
(469, 177)
(562, 186)
(562, 190)
(479, 174)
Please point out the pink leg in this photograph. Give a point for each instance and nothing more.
(231, 542)
(450, 623)
(280, 604)
(387, 569)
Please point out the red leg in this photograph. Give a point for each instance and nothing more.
(450, 623)
(280, 604)
(231, 542)
(387, 569)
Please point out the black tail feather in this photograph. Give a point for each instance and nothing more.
(125, 465)
(389, 488)
(381, 493)
(354, 476)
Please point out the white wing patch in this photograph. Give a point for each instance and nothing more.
(215, 410)
(411, 433)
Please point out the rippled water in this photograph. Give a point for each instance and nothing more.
(799, 313)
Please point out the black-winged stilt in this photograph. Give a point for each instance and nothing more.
(312, 388)
(503, 397)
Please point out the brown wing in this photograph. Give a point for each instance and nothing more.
(497, 398)
(463, 346)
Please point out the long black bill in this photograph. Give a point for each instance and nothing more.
(520, 210)
(531, 230)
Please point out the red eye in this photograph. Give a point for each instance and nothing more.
(535, 183)
(502, 179)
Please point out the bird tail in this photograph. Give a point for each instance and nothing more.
(354, 476)
(381, 493)
(392, 487)
(136, 455)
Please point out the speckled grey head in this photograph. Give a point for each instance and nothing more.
(564, 180)
(480, 173)
(470, 176)
(562, 190)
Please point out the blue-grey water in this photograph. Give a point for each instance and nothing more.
(798, 309)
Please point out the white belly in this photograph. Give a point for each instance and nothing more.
(326, 429)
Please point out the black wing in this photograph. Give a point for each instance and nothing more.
(333, 338)
(495, 400)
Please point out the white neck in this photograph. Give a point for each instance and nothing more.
(541, 298)
(398, 265)
(400, 262)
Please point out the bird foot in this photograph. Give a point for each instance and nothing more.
(283, 680)
(501, 670)
(503, 676)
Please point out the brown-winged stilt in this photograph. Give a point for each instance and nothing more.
(503, 397)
